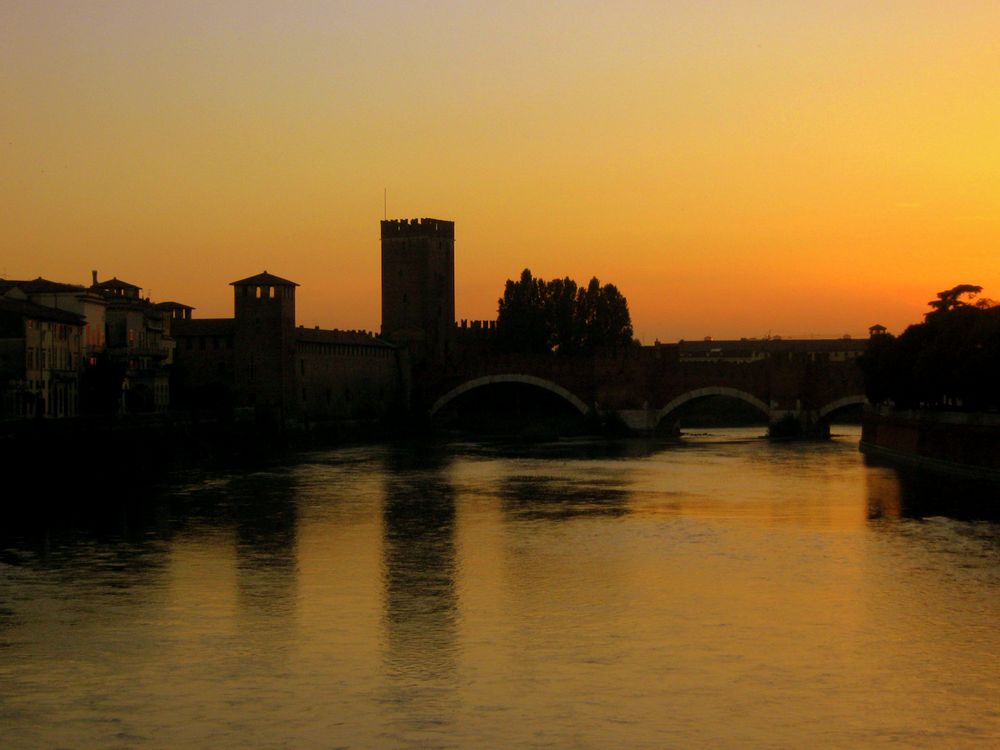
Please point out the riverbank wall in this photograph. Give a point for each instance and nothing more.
(963, 444)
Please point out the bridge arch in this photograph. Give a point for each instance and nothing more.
(714, 391)
(840, 403)
(547, 385)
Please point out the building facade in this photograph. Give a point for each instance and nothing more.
(138, 339)
(41, 350)
(126, 347)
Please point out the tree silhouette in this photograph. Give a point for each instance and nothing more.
(950, 299)
(950, 361)
(557, 316)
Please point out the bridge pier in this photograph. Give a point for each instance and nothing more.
(801, 424)
(640, 421)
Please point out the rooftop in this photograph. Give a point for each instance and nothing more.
(263, 279)
(39, 286)
(115, 283)
(39, 312)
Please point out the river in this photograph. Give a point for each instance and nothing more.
(724, 592)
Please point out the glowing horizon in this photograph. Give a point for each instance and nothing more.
(736, 170)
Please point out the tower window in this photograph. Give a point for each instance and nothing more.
(258, 292)
(270, 291)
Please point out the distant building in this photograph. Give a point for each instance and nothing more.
(752, 350)
(139, 339)
(73, 298)
(124, 336)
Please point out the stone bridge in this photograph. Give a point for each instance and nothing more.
(795, 384)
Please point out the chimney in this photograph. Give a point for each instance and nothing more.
(93, 276)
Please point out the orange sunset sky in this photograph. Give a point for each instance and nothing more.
(736, 168)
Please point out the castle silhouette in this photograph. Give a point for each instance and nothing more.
(261, 359)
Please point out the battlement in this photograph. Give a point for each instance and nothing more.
(476, 325)
(475, 334)
(438, 228)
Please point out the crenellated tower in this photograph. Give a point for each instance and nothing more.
(418, 285)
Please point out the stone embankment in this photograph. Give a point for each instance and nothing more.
(959, 443)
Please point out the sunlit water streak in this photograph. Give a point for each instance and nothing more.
(728, 592)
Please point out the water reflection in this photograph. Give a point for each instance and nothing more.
(421, 602)
(265, 516)
(570, 449)
(561, 498)
(905, 493)
(428, 597)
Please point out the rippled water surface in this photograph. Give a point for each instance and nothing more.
(723, 593)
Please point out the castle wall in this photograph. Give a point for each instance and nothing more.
(260, 360)
(347, 380)
(204, 360)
